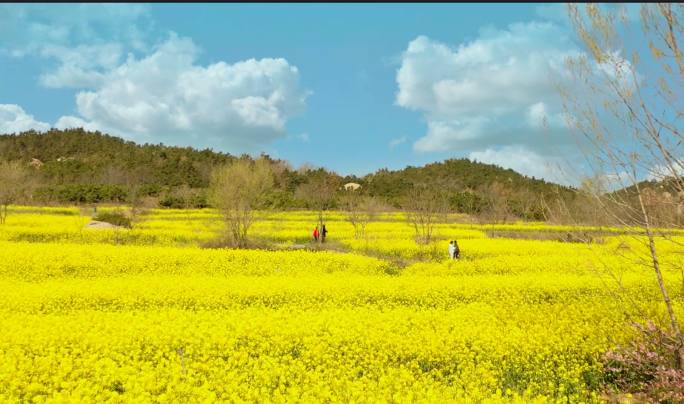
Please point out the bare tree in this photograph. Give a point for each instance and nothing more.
(624, 104)
(186, 194)
(134, 182)
(112, 175)
(279, 166)
(497, 208)
(424, 207)
(304, 167)
(319, 194)
(527, 203)
(236, 190)
(16, 185)
(359, 210)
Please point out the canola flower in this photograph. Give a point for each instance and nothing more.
(100, 316)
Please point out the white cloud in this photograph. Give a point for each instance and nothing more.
(68, 122)
(660, 172)
(81, 66)
(498, 93)
(152, 93)
(396, 142)
(166, 97)
(484, 93)
(27, 29)
(13, 119)
(529, 163)
(304, 137)
(538, 115)
(609, 182)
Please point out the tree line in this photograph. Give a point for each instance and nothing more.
(75, 166)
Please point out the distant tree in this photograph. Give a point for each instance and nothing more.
(236, 190)
(16, 186)
(527, 205)
(468, 202)
(112, 175)
(305, 167)
(424, 207)
(497, 208)
(185, 193)
(359, 210)
(135, 181)
(319, 194)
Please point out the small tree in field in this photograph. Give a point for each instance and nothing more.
(319, 194)
(424, 207)
(497, 208)
(359, 210)
(135, 197)
(134, 180)
(625, 103)
(15, 186)
(185, 193)
(236, 190)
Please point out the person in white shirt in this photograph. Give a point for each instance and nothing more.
(451, 249)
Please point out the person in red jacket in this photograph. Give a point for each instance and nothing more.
(316, 234)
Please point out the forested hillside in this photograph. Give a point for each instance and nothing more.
(76, 166)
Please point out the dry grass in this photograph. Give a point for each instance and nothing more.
(547, 236)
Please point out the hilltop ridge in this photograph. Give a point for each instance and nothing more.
(75, 157)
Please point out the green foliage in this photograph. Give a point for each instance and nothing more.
(89, 167)
(199, 202)
(280, 200)
(534, 213)
(178, 202)
(171, 202)
(467, 202)
(115, 218)
(75, 155)
(84, 193)
(150, 190)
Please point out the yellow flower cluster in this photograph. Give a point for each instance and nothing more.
(145, 315)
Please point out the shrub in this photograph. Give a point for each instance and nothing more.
(115, 218)
(647, 367)
(178, 202)
(172, 202)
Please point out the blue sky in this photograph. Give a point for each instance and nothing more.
(350, 87)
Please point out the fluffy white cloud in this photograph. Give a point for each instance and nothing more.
(77, 43)
(498, 93)
(538, 115)
(660, 172)
(151, 94)
(166, 96)
(489, 92)
(27, 29)
(529, 163)
(13, 119)
(67, 122)
(396, 142)
(81, 66)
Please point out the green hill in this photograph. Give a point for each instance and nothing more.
(82, 167)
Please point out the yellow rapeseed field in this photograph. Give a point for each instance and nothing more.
(147, 315)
